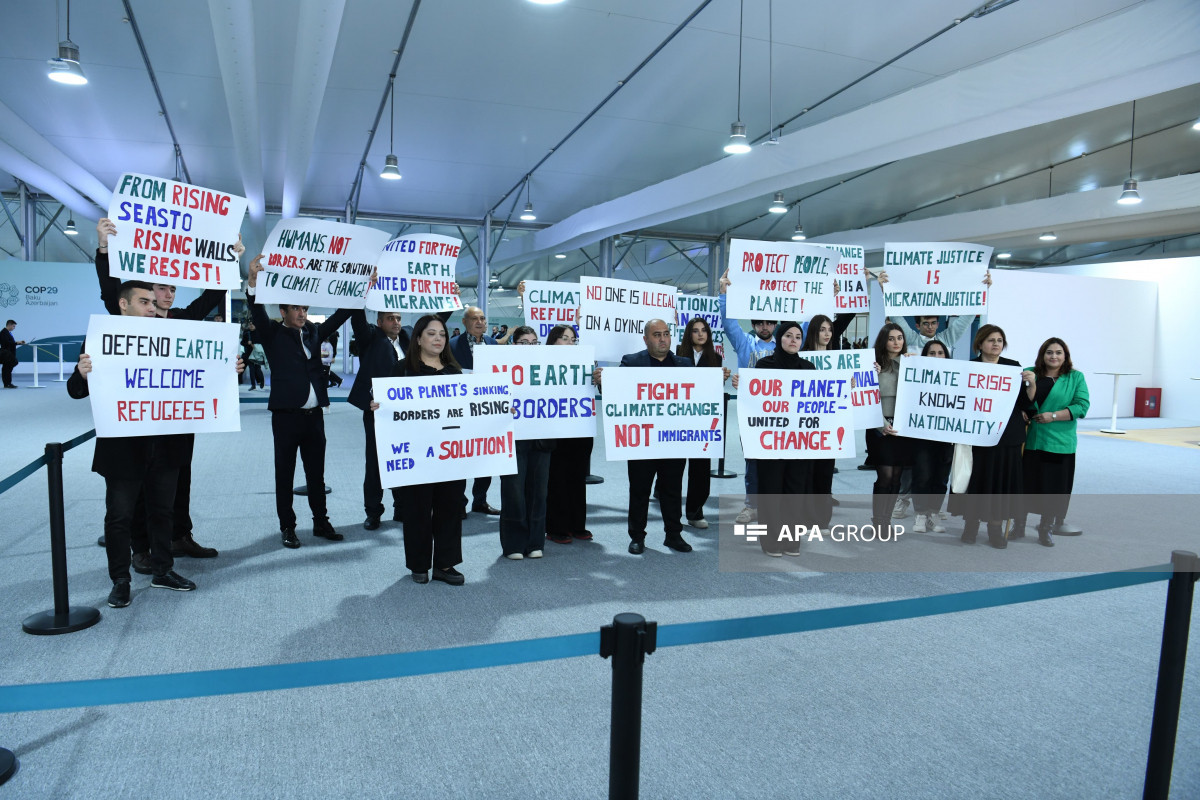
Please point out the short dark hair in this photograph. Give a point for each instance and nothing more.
(557, 331)
(414, 346)
(933, 317)
(1039, 366)
(520, 331)
(11, 322)
(128, 287)
(986, 331)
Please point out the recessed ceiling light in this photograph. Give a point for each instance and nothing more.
(1003, 255)
(560, 255)
(1048, 236)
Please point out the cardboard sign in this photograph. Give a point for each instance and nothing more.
(443, 428)
(152, 376)
(780, 280)
(176, 233)
(548, 304)
(701, 306)
(615, 312)
(858, 366)
(935, 278)
(963, 402)
(652, 412)
(550, 388)
(310, 262)
(416, 274)
(852, 296)
(795, 413)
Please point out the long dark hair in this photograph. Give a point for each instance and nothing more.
(931, 343)
(814, 330)
(1039, 366)
(708, 353)
(882, 357)
(557, 331)
(414, 343)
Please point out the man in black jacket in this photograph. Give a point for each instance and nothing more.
(8, 352)
(299, 395)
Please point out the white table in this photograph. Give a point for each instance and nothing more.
(1116, 385)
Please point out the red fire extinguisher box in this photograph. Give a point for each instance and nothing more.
(1147, 402)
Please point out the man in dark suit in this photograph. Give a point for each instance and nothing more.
(463, 346)
(657, 335)
(8, 352)
(299, 395)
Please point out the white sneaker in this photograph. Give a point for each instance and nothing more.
(535, 553)
(935, 524)
(901, 509)
(944, 514)
(514, 556)
(919, 527)
(698, 522)
(775, 555)
(747, 514)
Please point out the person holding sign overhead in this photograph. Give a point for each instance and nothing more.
(463, 348)
(697, 345)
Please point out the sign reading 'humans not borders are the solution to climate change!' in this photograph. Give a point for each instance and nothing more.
(311, 262)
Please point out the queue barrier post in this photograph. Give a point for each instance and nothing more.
(1165, 724)
(65, 618)
(720, 472)
(8, 765)
(628, 640)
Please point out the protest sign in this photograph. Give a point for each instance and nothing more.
(312, 262)
(780, 280)
(614, 312)
(857, 366)
(794, 414)
(443, 428)
(935, 278)
(550, 388)
(701, 306)
(651, 412)
(152, 376)
(963, 402)
(548, 304)
(416, 274)
(853, 296)
(176, 233)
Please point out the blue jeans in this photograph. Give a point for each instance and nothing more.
(523, 501)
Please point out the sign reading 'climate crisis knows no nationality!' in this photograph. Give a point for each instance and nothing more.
(964, 402)
(311, 262)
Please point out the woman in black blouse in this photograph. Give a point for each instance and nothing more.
(566, 499)
(697, 345)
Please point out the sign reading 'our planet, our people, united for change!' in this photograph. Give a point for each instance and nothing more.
(795, 413)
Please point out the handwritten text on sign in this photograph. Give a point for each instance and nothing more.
(795, 414)
(708, 309)
(316, 263)
(170, 232)
(442, 428)
(152, 376)
(416, 273)
(651, 412)
(548, 304)
(550, 388)
(614, 314)
(964, 402)
(780, 280)
(935, 278)
(864, 381)
(853, 296)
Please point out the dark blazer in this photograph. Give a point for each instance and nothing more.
(376, 355)
(1014, 429)
(110, 294)
(291, 372)
(7, 342)
(462, 350)
(419, 370)
(642, 359)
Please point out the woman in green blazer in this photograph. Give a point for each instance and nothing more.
(1060, 394)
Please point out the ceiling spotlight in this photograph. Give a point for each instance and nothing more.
(1003, 255)
(1048, 236)
(1130, 196)
(65, 68)
(391, 166)
(391, 169)
(527, 215)
(1196, 125)
(560, 255)
(71, 230)
(737, 139)
(798, 234)
(737, 131)
(778, 206)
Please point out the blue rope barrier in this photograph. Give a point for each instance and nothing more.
(33, 466)
(239, 680)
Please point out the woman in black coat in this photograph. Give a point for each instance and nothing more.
(566, 498)
(697, 345)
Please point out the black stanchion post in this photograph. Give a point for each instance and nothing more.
(627, 640)
(1176, 622)
(720, 472)
(8, 765)
(64, 618)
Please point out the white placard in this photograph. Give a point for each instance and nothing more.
(176, 233)
(935, 278)
(656, 412)
(853, 296)
(963, 402)
(550, 388)
(312, 262)
(416, 275)
(709, 308)
(548, 304)
(795, 414)
(614, 312)
(152, 376)
(442, 428)
(858, 366)
(780, 280)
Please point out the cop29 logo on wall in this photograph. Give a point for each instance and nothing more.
(8, 295)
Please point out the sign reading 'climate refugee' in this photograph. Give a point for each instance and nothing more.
(708, 309)
(935, 278)
(964, 402)
(550, 388)
(614, 312)
(171, 232)
(548, 304)
(443, 428)
(853, 296)
(416, 274)
(663, 413)
(795, 414)
(780, 280)
(859, 365)
(312, 262)
(152, 376)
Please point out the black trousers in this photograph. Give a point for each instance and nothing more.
(139, 535)
(433, 525)
(120, 502)
(7, 372)
(670, 494)
(372, 486)
(699, 486)
(822, 489)
(930, 474)
(785, 489)
(306, 432)
(523, 501)
(479, 490)
(566, 491)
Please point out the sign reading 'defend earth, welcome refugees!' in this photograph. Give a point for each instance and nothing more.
(963, 402)
(935, 278)
(310, 262)
(650, 412)
(416, 274)
(794, 414)
(614, 313)
(780, 280)
(152, 376)
(171, 232)
(550, 388)
(548, 304)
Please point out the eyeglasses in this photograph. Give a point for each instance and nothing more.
(523, 341)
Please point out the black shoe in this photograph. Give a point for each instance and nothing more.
(142, 564)
(172, 580)
(420, 577)
(835, 502)
(449, 575)
(1044, 537)
(637, 547)
(677, 544)
(187, 546)
(119, 596)
(102, 542)
(486, 509)
(866, 467)
(322, 528)
(996, 537)
(397, 515)
(289, 537)
(372, 523)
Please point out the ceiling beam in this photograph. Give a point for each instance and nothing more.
(34, 147)
(20, 167)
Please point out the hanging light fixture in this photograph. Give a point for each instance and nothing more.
(1049, 236)
(391, 165)
(772, 136)
(798, 234)
(527, 214)
(1196, 125)
(1129, 194)
(65, 68)
(560, 255)
(1004, 255)
(737, 131)
(777, 205)
(71, 230)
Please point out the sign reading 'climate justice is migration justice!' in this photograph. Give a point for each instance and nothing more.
(707, 308)
(651, 412)
(853, 295)
(311, 262)
(858, 366)
(795, 414)
(550, 388)
(614, 314)
(935, 278)
(176, 233)
(416, 274)
(152, 376)
(780, 280)
(548, 304)
(963, 402)
(443, 428)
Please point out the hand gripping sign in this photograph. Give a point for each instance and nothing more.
(794, 414)
(416, 274)
(780, 280)
(853, 296)
(651, 412)
(311, 262)
(935, 278)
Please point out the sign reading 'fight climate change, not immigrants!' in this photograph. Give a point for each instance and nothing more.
(311, 262)
(651, 412)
